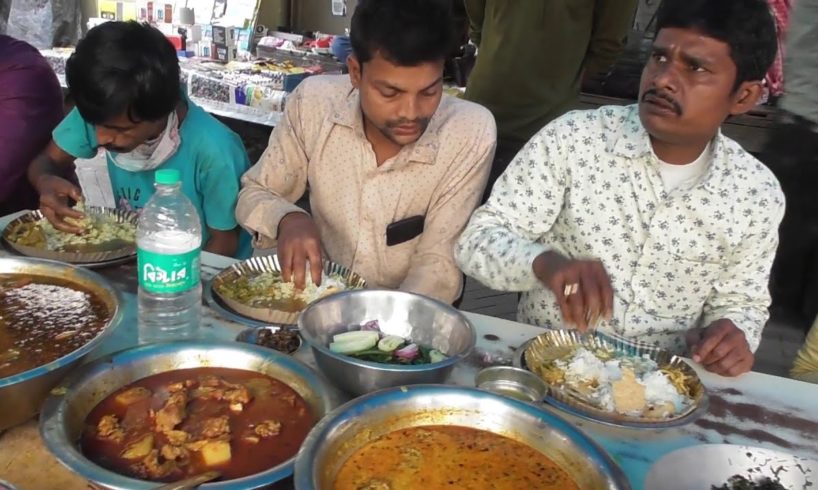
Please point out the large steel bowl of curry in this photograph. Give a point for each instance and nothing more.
(434, 436)
(425, 321)
(49, 299)
(66, 413)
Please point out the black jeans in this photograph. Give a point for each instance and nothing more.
(792, 154)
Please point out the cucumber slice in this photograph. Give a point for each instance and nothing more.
(436, 356)
(390, 343)
(353, 344)
(357, 335)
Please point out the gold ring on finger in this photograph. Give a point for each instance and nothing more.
(570, 289)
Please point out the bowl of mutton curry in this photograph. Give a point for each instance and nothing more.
(437, 436)
(51, 315)
(164, 412)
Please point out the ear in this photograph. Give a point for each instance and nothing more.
(746, 97)
(354, 67)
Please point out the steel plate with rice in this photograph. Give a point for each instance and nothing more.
(110, 236)
(614, 381)
(255, 289)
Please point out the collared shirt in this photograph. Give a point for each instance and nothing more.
(588, 186)
(320, 144)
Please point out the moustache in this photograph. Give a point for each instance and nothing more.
(677, 108)
(422, 122)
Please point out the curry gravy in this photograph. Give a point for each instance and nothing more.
(266, 429)
(43, 319)
(436, 457)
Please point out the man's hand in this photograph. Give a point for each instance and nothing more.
(299, 242)
(582, 288)
(54, 195)
(721, 348)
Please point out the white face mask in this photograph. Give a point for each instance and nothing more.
(151, 153)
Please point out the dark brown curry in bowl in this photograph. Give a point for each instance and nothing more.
(182, 423)
(171, 408)
(51, 316)
(45, 318)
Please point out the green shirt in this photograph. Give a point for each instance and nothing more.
(210, 158)
(532, 54)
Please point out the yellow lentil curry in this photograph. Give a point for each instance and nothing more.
(434, 457)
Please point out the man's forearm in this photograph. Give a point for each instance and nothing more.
(42, 166)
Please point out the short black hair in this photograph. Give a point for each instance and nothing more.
(124, 67)
(747, 26)
(405, 32)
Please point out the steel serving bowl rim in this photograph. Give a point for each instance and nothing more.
(110, 324)
(397, 368)
(358, 407)
(701, 409)
(53, 414)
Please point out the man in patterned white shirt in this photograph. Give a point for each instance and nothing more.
(646, 217)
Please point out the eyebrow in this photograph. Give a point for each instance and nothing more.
(686, 57)
(119, 128)
(387, 85)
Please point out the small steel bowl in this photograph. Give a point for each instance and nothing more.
(23, 393)
(64, 412)
(352, 426)
(255, 336)
(512, 382)
(426, 321)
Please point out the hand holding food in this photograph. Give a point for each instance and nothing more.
(298, 244)
(54, 195)
(582, 288)
(721, 348)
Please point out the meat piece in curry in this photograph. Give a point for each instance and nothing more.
(180, 423)
(43, 319)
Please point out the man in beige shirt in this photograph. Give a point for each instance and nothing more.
(393, 166)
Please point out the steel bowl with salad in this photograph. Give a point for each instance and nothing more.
(366, 340)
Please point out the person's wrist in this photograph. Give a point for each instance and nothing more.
(290, 219)
(544, 264)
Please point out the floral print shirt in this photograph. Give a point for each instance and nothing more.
(588, 186)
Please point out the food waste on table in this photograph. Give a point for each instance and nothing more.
(738, 482)
(369, 343)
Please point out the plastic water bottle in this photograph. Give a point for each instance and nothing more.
(168, 241)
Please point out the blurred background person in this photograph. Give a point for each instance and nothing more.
(792, 154)
(533, 57)
(31, 106)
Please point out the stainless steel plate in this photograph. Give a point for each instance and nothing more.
(95, 257)
(269, 263)
(575, 405)
(701, 467)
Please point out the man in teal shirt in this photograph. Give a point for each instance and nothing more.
(124, 78)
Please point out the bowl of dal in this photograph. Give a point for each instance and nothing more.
(51, 316)
(436, 436)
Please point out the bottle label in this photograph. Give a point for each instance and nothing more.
(167, 273)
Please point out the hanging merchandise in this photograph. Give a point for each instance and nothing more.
(44, 23)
